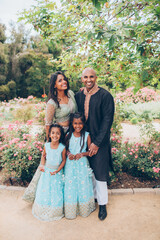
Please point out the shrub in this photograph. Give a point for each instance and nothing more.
(134, 120)
(137, 159)
(40, 112)
(21, 152)
(155, 138)
(12, 87)
(147, 130)
(140, 160)
(24, 114)
(143, 95)
(4, 92)
(143, 111)
(116, 126)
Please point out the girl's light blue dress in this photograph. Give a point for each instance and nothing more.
(78, 189)
(48, 204)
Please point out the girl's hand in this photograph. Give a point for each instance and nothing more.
(54, 173)
(41, 168)
(68, 152)
(78, 156)
(71, 156)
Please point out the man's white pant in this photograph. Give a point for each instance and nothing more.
(100, 191)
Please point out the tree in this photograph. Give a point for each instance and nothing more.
(38, 75)
(2, 33)
(4, 88)
(120, 39)
(26, 64)
(3, 55)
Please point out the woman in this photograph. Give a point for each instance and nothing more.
(59, 106)
(61, 102)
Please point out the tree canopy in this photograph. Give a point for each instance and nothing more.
(119, 39)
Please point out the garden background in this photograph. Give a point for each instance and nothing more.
(121, 41)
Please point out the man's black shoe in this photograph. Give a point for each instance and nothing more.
(102, 212)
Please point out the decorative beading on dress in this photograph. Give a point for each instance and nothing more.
(78, 190)
(30, 192)
(48, 194)
(55, 114)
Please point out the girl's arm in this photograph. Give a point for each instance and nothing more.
(84, 154)
(43, 160)
(62, 163)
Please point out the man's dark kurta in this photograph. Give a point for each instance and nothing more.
(100, 118)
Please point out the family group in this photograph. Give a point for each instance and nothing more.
(74, 168)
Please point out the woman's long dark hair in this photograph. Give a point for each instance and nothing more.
(71, 129)
(52, 91)
(61, 140)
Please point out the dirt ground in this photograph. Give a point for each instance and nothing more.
(130, 217)
(125, 180)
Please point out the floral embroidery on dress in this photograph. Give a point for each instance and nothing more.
(78, 189)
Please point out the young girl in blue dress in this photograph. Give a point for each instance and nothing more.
(48, 204)
(78, 189)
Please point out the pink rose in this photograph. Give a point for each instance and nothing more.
(156, 152)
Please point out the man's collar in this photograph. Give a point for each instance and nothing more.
(92, 90)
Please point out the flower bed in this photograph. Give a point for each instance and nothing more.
(23, 109)
(143, 95)
(140, 160)
(20, 151)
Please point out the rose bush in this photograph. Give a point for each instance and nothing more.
(143, 95)
(140, 160)
(20, 152)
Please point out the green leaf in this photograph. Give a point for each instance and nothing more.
(137, 86)
(99, 35)
(71, 7)
(90, 34)
(51, 6)
(144, 75)
(97, 4)
(111, 42)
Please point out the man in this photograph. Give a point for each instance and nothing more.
(97, 105)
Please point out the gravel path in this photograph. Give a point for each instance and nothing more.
(133, 131)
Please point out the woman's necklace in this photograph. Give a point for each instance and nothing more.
(63, 99)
